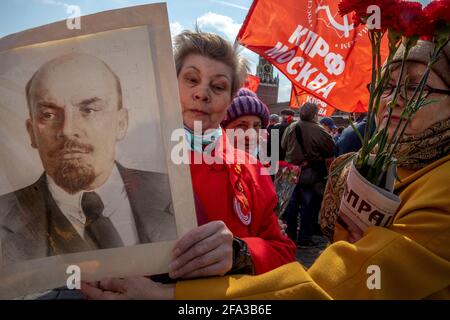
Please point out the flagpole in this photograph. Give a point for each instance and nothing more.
(296, 96)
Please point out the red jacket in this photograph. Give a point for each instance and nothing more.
(245, 201)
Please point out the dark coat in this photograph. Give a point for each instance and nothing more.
(318, 144)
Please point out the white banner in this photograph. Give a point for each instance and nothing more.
(364, 205)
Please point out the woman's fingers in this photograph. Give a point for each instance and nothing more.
(200, 248)
(128, 288)
(354, 236)
(90, 292)
(94, 293)
(112, 284)
(217, 245)
(196, 235)
(94, 283)
(220, 256)
(214, 269)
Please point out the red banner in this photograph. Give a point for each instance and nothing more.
(252, 83)
(321, 52)
(325, 110)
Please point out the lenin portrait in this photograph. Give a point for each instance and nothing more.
(89, 121)
(85, 199)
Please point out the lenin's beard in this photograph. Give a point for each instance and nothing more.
(74, 174)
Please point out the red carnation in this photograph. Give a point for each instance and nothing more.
(359, 9)
(410, 19)
(437, 15)
(438, 10)
(388, 8)
(389, 13)
(347, 6)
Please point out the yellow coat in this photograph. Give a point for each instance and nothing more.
(413, 255)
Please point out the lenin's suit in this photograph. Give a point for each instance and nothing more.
(32, 226)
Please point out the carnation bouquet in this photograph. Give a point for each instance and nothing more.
(285, 181)
(368, 196)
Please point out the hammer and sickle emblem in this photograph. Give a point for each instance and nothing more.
(346, 27)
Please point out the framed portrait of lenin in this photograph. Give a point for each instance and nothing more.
(86, 179)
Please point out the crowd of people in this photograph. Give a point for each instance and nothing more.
(239, 238)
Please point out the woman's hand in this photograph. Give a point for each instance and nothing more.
(204, 251)
(133, 288)
(354, 235)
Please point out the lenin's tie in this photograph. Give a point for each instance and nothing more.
(99, 227)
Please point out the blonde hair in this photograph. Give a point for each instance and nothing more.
(214, 47)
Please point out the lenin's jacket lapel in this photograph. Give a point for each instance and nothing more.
(35, 227)
(24, 227)
(150, 201)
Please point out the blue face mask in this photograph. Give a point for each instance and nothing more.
(255, 151)
(198, 142)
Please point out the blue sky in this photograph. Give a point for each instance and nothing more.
(220, 16)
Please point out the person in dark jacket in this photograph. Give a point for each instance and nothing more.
(349, 140)
(307, 144)
(274, 121)
(287, 117)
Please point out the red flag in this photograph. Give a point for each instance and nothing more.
(302, 96)
(321, 52)
(360, 108)
(252, 82)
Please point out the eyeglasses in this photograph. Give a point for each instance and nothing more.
(410, 89)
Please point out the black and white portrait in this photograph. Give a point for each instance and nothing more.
(83, 161)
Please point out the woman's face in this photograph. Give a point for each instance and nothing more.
(245, 123)
(205, 91)
(428, 115)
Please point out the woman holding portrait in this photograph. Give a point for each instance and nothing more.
(411, 255)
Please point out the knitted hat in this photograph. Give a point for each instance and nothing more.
(246, 92)
(245, 104)
(421, 53)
